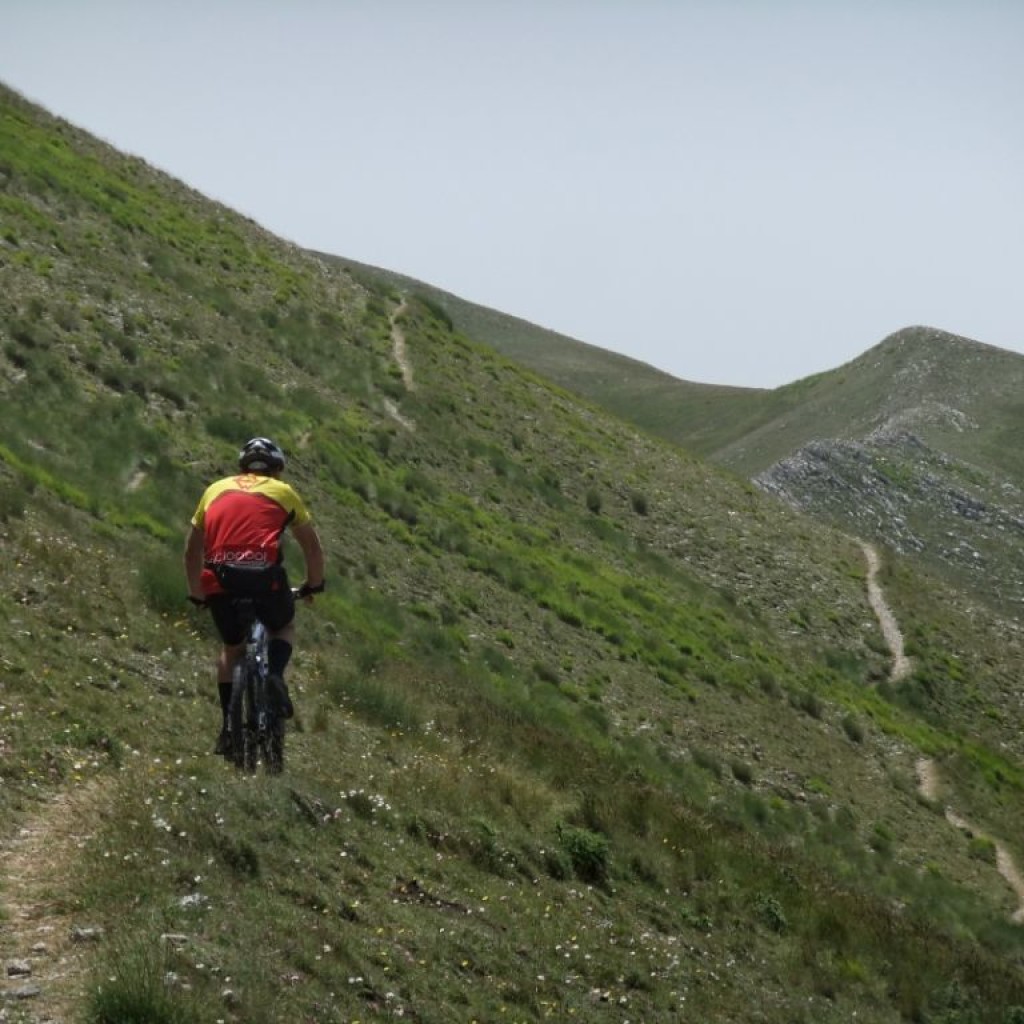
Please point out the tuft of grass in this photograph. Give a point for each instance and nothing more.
(139, 984)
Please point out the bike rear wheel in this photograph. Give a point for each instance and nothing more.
(242, 721)
(270, 729)
(273, 748)
(257, 733)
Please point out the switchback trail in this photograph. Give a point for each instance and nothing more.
(398, 349)
(901, 665)
(927, 771)
(928, 786)
(398, 346)
(44, 950)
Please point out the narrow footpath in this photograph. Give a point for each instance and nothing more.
(928, 780)
(401, 357)
(45, 951)
(901, 666)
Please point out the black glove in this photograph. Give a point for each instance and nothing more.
(307, 591)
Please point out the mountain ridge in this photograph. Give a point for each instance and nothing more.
(920, 397)
(587, 725)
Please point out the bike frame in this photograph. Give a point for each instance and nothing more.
(257, 733)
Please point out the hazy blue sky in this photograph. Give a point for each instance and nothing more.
(735, 192)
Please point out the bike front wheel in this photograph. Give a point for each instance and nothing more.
(270, 729)
(273, 747)
(242, 722)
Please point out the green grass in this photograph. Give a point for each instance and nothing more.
(948, 408)
(586, 727)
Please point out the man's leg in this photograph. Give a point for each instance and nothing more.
(278, 614)
(232, 638)
(279, 653)
(226, 660)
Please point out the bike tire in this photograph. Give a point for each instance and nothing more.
(270, 729)
(257, 733)
(250, 733)
(273, 751)
(242, 721)
(236, 718)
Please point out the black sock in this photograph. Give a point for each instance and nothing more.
(224, 690)
(278, 653)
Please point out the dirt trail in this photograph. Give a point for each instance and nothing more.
(402, 358)
(928, 781)
(929, 786)
(901, 665)
(398, 346)
(44, 951)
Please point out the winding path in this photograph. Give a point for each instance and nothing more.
(398, 346)
(45, 955)
(928, 781)
(901, 665)
(402, 358)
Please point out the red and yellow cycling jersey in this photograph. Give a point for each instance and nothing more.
(242, 519)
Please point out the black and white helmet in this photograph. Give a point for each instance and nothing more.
(260, 455)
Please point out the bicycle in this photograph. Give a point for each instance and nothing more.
(254, 723)
(255, 727)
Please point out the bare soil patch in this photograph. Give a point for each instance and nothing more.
(45, 950)
(901, 664)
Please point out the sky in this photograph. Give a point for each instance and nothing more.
(737, 192)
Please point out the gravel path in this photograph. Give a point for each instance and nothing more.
(901, 665)
(928, 780)
(45, 951)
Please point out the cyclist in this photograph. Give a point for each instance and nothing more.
(233, 550)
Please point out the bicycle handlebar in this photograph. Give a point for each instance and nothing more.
(297, 592)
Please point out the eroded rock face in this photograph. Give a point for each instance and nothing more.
(893, 488)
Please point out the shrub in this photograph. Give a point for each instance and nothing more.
(546, 673)
(708, 760)
(809, 703)
(375, 701)
(587, 851)
(881, 840)
(982, 848)
(12, 502)
(853, 729)
(138, 990)
(594, 501)
(163, 583)
(639, 503)
(770, 911)
(557, 864)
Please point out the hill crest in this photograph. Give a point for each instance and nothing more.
(585, 723)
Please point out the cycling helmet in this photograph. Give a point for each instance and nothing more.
(260, 455)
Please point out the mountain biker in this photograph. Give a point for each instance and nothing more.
(233, 550)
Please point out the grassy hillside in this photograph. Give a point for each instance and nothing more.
(913, 444)
(707, 416)
(958, 395)
(587, 728)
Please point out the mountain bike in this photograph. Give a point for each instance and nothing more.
(256, 727)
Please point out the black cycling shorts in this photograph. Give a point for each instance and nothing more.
(275, 610)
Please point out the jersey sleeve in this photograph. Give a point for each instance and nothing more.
(300, 514)
(200, 512)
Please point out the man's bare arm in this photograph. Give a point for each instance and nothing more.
(194, 561)
(309, 540)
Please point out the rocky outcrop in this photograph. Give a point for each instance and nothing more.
(893, 488)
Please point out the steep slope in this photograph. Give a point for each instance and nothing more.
(956, 395)
(587, 726)
(913, 444)
(708, 416)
